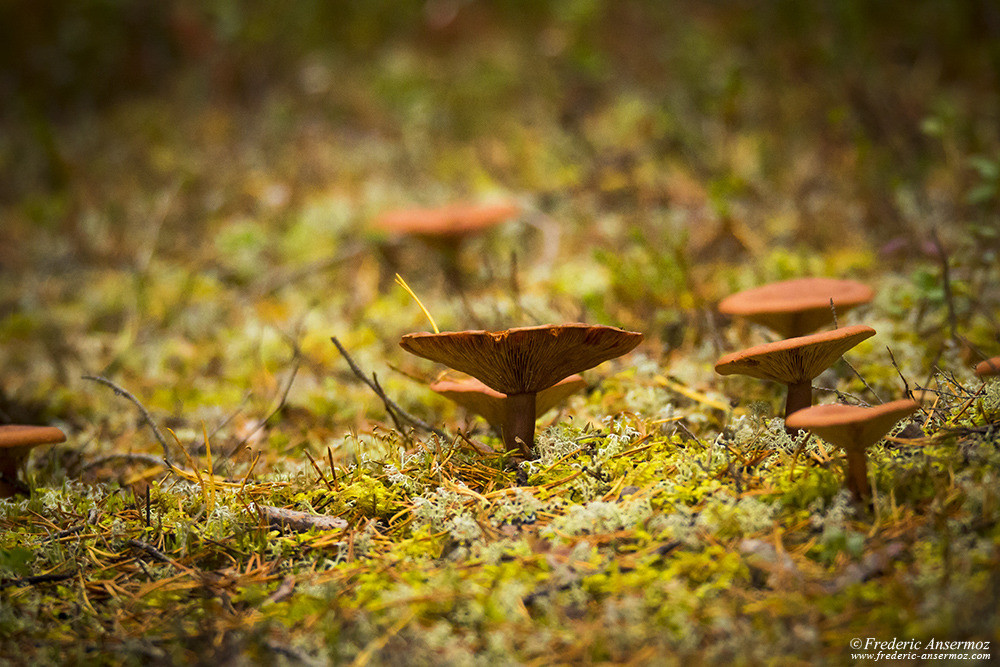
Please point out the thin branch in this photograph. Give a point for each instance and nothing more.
(842, 395)
(833, 309)
(392, 413)
(906, 385)
(863, 380)
(142, 409)
(390, 405)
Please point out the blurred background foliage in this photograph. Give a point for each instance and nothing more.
(676, 134)
(895, 76)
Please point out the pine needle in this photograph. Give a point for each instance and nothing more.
(402, 283)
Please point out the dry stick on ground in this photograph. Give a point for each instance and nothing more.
(155, 553)
(142, 409)
(390, 406)
(296, 520)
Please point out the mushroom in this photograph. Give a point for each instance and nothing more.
(988, 368)
(15, 443)
(521, 362)
(794, 361)
(446, 228)
(853, 428)
(796, 307)
(491, 405)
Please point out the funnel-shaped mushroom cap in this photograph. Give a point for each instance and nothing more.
(852, 426)
(796, 307)
(453, 220)
(793, 360)
(475, 396)
(523, 360)
(988, 368)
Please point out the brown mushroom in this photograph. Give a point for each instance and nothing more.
(988, 368)
(794, 361)
(521, 362)
(491, 405)
(446, 228)
(796, 307)
(853, 428)
(15, 443)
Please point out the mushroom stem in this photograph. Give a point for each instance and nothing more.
(857, 473)
(519, 423)
(10, 463)
(10, 485)
(799, 397)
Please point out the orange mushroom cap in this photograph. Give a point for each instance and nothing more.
(796, 307)
(17, 435)
(988, 368)
(523, 360)
(488, 403)
(852, 426)
(455, 220)
(793, 360)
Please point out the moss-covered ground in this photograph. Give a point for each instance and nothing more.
(197, 243)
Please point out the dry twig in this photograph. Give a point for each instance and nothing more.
(142, 409)
(296, 520)
(395, 412)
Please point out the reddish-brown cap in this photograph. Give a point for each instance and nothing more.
(988, 368)
(524, 360)
(454, 220)
(16, 435)
(851, 426)
(793, 360)
(796, 307)
(488, 403)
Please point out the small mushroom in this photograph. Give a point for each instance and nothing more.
(15, 443)
(988, 368)
(853, 428)
(446, 228)
(794, 361)
(491, 405)
(796, 307)
(521, 362)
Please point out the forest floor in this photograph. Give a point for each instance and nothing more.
(199, 247)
